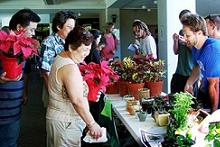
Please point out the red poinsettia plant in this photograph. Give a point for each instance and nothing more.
(97, 76)
(17, 45)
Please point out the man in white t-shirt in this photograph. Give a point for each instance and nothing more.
(146, 43)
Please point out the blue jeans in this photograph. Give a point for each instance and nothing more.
(9, 134)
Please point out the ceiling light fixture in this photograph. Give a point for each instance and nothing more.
(143, 7)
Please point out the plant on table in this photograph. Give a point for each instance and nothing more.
(214, 134)
(153, 69)
(132, 71)
(178, 132)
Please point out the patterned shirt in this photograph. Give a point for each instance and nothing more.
(50, 48)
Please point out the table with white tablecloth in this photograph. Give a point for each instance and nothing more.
(132, 122)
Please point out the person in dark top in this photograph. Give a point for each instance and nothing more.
(185, 61)
(12, 91)
(97, 45)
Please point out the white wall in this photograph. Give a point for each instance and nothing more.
(168, 23)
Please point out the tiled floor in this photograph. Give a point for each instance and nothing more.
(33, 132)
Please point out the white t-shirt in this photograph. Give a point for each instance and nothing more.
(148, 46)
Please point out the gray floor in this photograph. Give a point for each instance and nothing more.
(33, 132)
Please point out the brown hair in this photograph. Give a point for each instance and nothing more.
(77, 37)
(195, 23)
(141, 25)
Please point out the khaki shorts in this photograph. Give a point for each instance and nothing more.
(64, 134)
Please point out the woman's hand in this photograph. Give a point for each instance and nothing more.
(95, 131)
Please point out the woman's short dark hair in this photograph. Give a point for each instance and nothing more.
(23, 17)
(60, 19)
(77, 37)
(195, 23)
(141, 25)
(96, 33)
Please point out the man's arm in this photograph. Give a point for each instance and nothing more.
(214, 92)
(192, 79)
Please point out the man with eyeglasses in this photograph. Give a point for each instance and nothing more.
(213, 25)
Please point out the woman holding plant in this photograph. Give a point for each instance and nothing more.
(68, 109)
(12, 89)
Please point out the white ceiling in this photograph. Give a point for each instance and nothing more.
(203, 7)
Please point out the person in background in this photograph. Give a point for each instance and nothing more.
(206, 52)
(213, 25)
(68, 109)
(63, 23)
(94, 55)
(143, 39)
(13, 92)
(185, 61)
(108, 51)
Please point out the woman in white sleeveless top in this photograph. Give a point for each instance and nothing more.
(68, 110)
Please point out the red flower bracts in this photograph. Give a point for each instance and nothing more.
(14, 45)
(97, 76)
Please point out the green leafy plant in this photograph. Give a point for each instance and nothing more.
(214, 133)
(153, 69)
(132, 71)
(178, 132)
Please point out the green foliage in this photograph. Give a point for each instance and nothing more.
(178, 131)
(183, 102)
(214, 133)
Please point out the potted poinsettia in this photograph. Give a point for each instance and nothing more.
(14, 49)
(97, 76)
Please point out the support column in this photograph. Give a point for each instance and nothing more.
(168, 23)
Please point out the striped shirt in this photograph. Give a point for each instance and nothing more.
(11, 94)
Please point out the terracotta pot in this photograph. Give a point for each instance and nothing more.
(112, 89)
(123, 90)
(11, 67)
(155, 88)
(133, 89)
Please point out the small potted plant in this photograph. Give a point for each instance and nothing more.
(115, 65)
(133, 73)
(160, 113)
(153, 73)
(14, 49)
(154, 76)
(142, 115)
